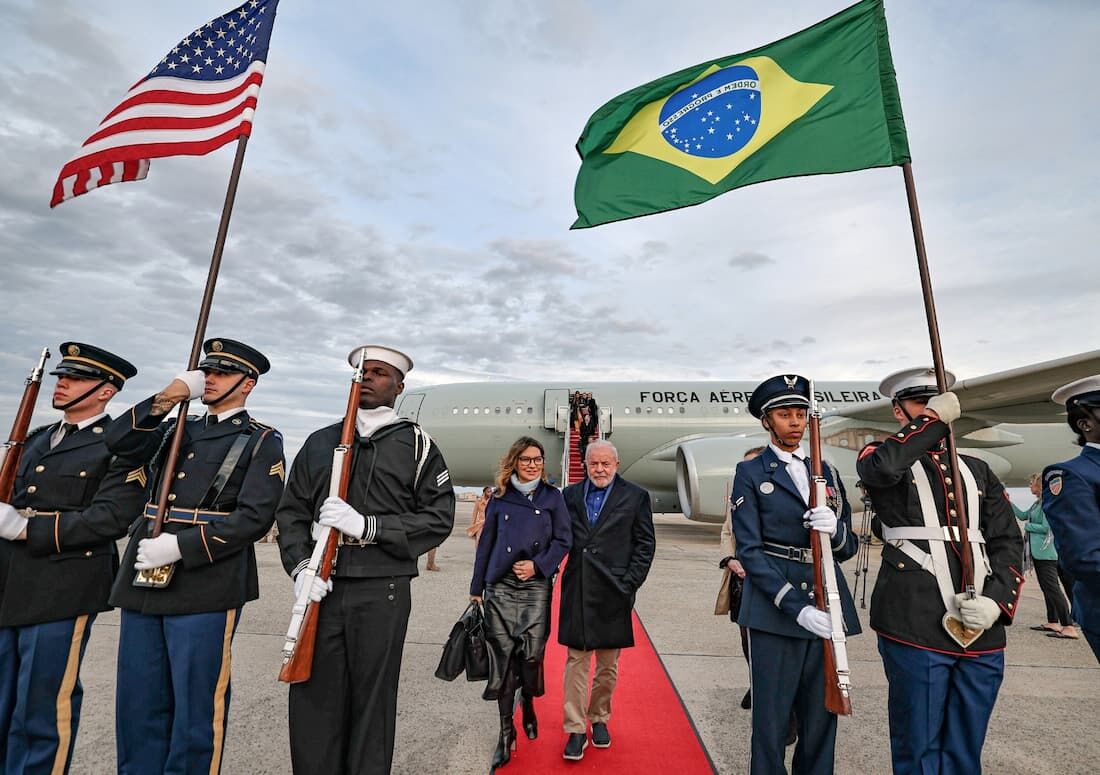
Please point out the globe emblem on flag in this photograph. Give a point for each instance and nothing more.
(716, 116)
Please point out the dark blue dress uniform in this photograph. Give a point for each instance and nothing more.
(79, 499)
(941, 694)
(174, 643)
(786, 660)
(1071, 502)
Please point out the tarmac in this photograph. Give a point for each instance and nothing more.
(1044, 722)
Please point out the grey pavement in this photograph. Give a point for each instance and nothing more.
(1044, 721)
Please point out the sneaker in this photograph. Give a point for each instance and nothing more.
(574, 746)
(601, 738)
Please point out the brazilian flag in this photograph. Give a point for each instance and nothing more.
(819, 101)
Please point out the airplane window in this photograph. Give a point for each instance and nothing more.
(637, 410)
(681, 410)
(475, 410)
(626, 410)
(465, 410)
(737, 410)
(507, 410)
(486, 410)
(530, 410)
(498, 410)
(660, 410)
(455, 410)
(649, 410)
(725, 410)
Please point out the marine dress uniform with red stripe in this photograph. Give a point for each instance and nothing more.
(941, 693)
(174, 642)
(72, 500)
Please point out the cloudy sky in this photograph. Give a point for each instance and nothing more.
(409, 181)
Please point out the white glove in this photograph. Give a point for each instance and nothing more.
(156, 552)
(816, 621)
(195, 381)
(336, 513)
(978, 613)
(12, 523)
(946, 406)
(317, 590)
(822, 519)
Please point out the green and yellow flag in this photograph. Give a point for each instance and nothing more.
(819, 101)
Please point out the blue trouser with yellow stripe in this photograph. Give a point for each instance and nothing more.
(40, 694)
(173, 692)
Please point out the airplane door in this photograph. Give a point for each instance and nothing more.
(552, 399)
(410, 406)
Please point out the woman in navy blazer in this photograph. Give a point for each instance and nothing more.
(526, 534)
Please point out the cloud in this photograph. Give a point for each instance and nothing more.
(749, 261)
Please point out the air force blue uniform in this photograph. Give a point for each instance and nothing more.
(1071, 502)
(786, 660)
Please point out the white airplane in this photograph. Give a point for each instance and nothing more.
(681, 440)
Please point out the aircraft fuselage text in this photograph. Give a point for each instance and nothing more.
(743, 396)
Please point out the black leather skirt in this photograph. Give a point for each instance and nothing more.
(517, 626)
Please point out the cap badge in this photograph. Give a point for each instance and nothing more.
(216, 346)
(791, 382)
(74, 350)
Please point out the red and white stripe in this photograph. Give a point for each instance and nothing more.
(159, 117)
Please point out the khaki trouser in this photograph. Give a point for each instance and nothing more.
(580, 707)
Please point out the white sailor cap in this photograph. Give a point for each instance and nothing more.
(913, 383)
(378, 352)
(1082, 391)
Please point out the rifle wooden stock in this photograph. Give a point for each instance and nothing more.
(302, 633)
(826, 592)
(12, 451)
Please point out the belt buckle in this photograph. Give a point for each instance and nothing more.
(346, 540)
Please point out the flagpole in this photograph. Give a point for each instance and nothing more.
(159, 577)
(958, 506)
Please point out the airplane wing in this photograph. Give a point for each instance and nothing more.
(1015, 396)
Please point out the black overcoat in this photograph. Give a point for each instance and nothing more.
(607, 564)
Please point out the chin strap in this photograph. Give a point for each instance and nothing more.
(80, 398)
(229, 392)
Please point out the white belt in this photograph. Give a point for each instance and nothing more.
(941, 533)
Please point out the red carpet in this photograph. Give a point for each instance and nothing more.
(651, 731)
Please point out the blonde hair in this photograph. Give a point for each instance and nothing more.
(511, 458)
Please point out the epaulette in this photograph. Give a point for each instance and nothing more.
(259, 426)
(39, 429)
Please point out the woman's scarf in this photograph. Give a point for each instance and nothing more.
(525, 488)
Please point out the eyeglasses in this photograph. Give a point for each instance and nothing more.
(531, 461)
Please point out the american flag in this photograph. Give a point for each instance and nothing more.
(199, 97)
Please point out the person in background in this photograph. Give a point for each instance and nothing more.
(526, 536)
(1045, 556)
(477, 519)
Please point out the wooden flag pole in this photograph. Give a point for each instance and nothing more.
(956, 504)
(159, 577)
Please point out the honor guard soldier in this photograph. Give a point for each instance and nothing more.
(400, 504)
(1071, 502)
(72, 500)
(174, 642)
(770, 514)
(941, 692)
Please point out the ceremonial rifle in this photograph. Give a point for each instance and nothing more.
(302, 632)
(826, 592)
(12, 451)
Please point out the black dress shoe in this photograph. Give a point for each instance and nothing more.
(506, 744)
(601, 738)
(746, 701)
(530, 721)
(574, 746)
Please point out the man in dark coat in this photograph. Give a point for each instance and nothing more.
(71, 500)
(613, 545)
(172, 703)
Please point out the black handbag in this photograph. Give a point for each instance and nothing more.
(477, 652)
(465, 649)
(737, 586)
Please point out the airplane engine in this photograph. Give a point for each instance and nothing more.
(704, 469)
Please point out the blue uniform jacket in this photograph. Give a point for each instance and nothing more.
(518, 528)
(1071, 502)
(767, 507)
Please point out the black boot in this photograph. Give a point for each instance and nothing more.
(507, 743)
(530, 721)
